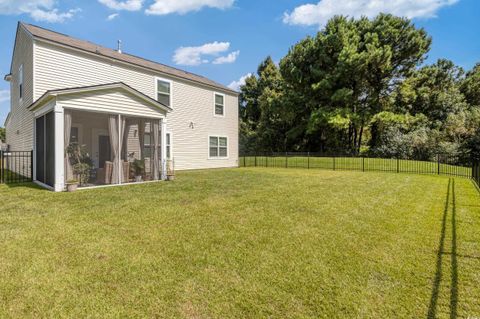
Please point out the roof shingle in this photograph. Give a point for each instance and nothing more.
(124, 57)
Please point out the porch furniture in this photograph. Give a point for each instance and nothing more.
(108, 168)
(126, 171)
(104, 175)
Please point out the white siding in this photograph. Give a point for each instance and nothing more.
(190, 145)
(20, 125)
(58, 68)
(114, 101)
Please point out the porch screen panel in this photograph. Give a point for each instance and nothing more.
(45, 148)
(50, 149)
(40, 148)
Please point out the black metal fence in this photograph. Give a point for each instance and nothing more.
(476, 173)
(442, 165)
(16, 167)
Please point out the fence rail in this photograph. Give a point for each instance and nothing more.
(16, 167)
(443, 165)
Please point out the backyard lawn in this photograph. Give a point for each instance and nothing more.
(245, 243)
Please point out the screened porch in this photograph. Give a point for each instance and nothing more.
(106, 149)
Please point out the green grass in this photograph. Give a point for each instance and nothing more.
(357, 164)
(245, 243)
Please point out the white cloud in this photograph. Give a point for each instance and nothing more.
(235, 85)
(162, 7)
(320, 13)
(194, 55)
(230, 58)
(4, 95)
(39, 10)
(112, 16)
(129, 5)
(53, 16)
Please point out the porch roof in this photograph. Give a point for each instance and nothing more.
(50, 94)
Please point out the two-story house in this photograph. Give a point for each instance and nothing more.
(105, 117)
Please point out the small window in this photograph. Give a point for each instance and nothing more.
(20, 81)
(147, 150)
(164, 92)
(219, 104)
(168, 145)
(218, 146)
(74, 135)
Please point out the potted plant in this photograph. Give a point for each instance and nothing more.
(72, 185)
(81, 162)
(138, 168)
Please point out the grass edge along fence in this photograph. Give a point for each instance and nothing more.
(444, 165)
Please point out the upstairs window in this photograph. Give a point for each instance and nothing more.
(218, 146)
(219, 104)
(164, 90)
(20, 82)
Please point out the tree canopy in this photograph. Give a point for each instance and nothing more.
(360, 86)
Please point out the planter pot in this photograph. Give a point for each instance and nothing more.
(72, 187)
(138, 179)
(170, 177)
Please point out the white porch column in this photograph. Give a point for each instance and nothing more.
(59, 149)
(163, 151)
(34, 154)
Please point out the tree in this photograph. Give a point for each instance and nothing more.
(470, 86)
(433, 90)
(264, 116)
(3, 134)
(357, 86)
(346, 73)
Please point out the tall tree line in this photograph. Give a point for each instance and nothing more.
(360, 87)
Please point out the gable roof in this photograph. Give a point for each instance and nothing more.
(90, 47)
(116, 85)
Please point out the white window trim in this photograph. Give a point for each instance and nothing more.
(20, 72)
(218, 157)
(171, 89)
(224, 103)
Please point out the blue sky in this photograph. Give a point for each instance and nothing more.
(226, 39)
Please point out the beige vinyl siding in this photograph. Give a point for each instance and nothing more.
(58, 67)
(190, 145)
(20, 124)
(113, 101)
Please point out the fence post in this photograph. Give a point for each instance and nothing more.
(308, 160)
(438, 164)
(398, 165)
(363, 164)
(286, 159)
(333, 162)
(244, 161)
(266, 160)
(255, 159)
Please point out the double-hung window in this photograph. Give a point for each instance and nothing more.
(164, 92)
(218, 146)
(219, 105)
(20, 82)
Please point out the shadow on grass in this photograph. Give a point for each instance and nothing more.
(432, 309)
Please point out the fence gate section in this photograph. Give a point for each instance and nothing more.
(16, 167)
